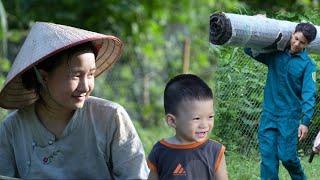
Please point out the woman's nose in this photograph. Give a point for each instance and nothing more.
(84, 85)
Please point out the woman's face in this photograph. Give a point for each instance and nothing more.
(70, 84)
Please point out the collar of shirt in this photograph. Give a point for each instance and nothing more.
(42, 136)
(302, 54)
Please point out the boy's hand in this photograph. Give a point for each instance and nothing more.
(302, 132)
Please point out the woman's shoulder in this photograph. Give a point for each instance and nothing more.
(102, 107)
(15, 118)
(102, 103)
(11, 118)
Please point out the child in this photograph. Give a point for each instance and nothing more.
(59, 131)
(188, 104)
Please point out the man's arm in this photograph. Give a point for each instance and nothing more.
(261, 57)
(308, 93)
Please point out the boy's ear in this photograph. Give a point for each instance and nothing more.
(171, 120)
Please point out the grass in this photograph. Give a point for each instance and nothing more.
(239, 167)
(243, 168)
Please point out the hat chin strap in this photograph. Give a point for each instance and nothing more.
(38, 76)
(43, 85)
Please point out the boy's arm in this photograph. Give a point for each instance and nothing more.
(220, 167)
(153, 175)
(261, 57)
(308, 93)
(221, 173)
(153, 168)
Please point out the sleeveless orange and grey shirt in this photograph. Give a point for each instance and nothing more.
(199, 160)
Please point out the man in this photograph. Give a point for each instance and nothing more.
(289, 99)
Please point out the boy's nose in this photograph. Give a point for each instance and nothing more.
(203, 125)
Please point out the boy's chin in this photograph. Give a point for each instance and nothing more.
(201, 139)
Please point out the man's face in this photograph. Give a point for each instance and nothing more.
(298, 42)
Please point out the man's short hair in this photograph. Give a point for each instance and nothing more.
(184, 87)
(308, 30)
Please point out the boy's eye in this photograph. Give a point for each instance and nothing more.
(211, 117)
(196, 118)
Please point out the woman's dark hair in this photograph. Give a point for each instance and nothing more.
(182, 88)
(29, 78)
(308, 30)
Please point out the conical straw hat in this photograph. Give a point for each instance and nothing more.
(45, 40)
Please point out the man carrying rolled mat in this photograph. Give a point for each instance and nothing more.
(289, 100)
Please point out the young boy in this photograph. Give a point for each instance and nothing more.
(189, 154)
(289, 99)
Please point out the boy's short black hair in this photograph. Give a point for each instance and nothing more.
(184, 87)
(308, 30)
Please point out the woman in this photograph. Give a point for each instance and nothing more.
(59, 130)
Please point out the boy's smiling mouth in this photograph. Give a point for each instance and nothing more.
(201, 134)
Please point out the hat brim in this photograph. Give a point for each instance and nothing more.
(14, 95)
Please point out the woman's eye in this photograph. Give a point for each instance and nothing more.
(75, 76)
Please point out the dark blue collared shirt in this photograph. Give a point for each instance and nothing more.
(291, 83)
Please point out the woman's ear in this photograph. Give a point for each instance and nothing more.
(43, 76)
(171, 120)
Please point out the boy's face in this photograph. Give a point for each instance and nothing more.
(298, 42)
(193, 121)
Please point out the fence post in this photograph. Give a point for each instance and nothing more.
(186, 55)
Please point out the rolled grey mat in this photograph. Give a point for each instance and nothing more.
(254, 31)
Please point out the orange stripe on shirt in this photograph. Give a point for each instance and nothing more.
(152, 167)
(182, 146)
(218, 162)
